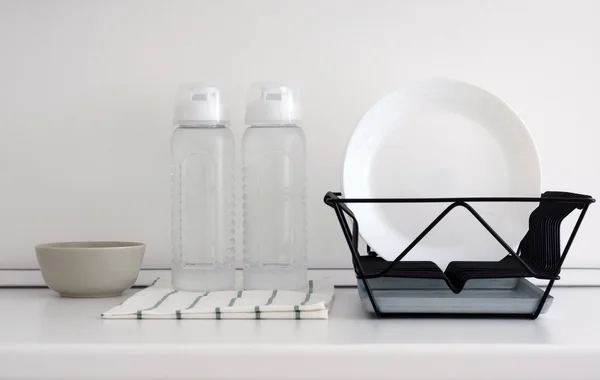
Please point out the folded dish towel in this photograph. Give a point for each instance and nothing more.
(159, 301)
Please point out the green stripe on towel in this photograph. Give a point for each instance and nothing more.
(309, 294)
(157, 304)
(178, 312)
(218, 312)
(297, 311)
(196, 301)
(256, 312)
(239, 295)
(270, 301)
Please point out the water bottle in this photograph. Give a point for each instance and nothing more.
(202, 178)
(274, 187)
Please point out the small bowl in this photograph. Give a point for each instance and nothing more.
(90, 269)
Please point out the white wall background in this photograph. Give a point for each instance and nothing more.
(86, 93)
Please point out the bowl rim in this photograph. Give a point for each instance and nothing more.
(91, 244)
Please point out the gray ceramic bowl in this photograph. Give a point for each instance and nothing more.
(90, 269)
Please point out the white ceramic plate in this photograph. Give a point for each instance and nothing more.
(441, 138)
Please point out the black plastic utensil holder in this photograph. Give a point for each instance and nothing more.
(537, 256)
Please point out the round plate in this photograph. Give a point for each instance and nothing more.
(441, 138)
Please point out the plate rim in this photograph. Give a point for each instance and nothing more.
(419, 83)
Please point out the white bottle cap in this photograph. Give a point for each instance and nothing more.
(197, 103)
(272, 104)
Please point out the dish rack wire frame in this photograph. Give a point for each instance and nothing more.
(333, 200)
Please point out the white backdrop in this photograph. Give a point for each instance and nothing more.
(86, 96)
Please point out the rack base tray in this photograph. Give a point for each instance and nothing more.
(429, 296)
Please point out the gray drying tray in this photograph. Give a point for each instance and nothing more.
(498, 296)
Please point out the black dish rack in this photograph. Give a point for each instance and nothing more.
(538, 255)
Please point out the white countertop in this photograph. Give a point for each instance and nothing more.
(44, 336)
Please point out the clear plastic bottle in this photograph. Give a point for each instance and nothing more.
(202, 179)
(274, 179)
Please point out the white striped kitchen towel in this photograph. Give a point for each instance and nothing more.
(159, 301)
